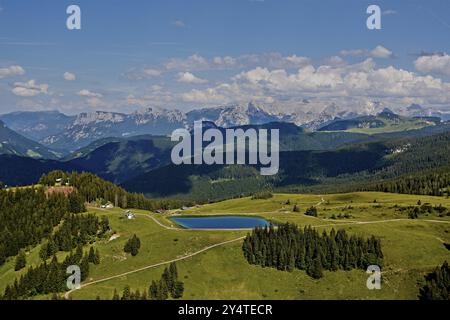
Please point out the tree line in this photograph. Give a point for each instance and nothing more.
(435, 183)
(289, 247)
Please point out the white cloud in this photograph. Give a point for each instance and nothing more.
(436, 64)
(188, 77)
(194, 62)
(357, 81)
(207, 96)
(152, 72)
(335, 61)
(179, 23)
(226, 61)
(68, 76)
(381, 52)
(377, 52)
(96, 102)
(270, 60)
(142, 73)
(29, 89)
(89, 94)
(11, 71)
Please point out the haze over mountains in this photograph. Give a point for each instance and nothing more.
(69, 133)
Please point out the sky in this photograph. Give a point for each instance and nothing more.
(131, 55)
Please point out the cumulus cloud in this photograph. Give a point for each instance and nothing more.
(188, 77)
(361, 80)
(434, 63)
(226, 61)
(89, 94)
(335, 61)
(29, 89)
(377, 52)
(68, 76)
(11, 71)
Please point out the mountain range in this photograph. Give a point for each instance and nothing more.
(68, 133)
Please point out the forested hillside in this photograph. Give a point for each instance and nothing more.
(383, 165)
(28, 215)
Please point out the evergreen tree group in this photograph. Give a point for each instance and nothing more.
(167, 286)
(128, 294)
(28, 215)
(433, 183)
(132, 245)
(437, 285)
(49, 277)
(288, 247)
(21, 261)
(91, 187)
(74, 231)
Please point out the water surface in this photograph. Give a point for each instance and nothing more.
(222, 222)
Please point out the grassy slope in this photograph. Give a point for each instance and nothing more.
(411, 248)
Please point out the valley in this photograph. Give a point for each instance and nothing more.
(212, 266)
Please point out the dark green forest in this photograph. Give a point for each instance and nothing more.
(289, 247)
(437, 284)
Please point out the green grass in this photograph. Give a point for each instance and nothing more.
(411, 248)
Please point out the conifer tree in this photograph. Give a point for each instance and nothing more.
(97, 257)
(178, 290)
(91, 255)
(116, 295)
(126, 294)
(20, 261)
(153, 290)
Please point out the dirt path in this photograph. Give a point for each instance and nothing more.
(67, 294)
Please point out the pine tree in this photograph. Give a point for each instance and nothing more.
(20, 261)
(116, 295)
(91, 255)
(84, 268)
(178, 290)
(315, 269)
(97, 257)
(153, 290)
(163, 290)
(126, 294)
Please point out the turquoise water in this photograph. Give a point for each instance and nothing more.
(222, 222)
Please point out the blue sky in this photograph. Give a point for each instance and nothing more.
(184, 54)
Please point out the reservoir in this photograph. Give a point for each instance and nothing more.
(221, 222)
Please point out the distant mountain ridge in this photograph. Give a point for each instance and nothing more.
(60, 132)
(13, 143)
